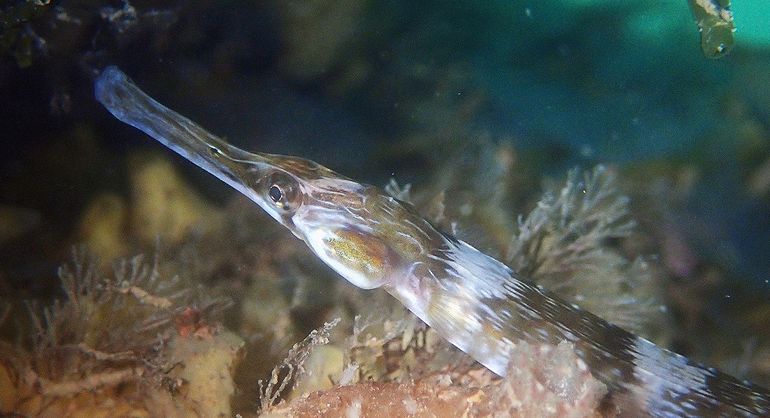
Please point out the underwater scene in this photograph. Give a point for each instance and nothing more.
(381, 208)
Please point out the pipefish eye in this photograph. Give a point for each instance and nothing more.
(283, 191)
(275, 193)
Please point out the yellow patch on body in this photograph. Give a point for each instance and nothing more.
(359, 252)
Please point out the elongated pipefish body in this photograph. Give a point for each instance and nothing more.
(472, 300)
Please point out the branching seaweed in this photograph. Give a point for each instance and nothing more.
(292, 366)
(569, 230)
(106, 322)
(565, 245)
(114, 339)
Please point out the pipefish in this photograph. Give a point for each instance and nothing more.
(472, 300)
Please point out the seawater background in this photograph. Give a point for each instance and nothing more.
(373, 88)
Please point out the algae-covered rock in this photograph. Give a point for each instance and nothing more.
(543, 381)
(163, 204)
(206, 368)
(102, 226)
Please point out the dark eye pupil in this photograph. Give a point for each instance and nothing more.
(275, 193)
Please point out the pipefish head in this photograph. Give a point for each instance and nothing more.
(349, 225)
(288, 188)
(356, 229)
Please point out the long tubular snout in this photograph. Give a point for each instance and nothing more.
(128, 103)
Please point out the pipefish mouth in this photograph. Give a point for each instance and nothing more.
(472, 300)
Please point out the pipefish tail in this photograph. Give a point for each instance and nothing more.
(472, 300)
